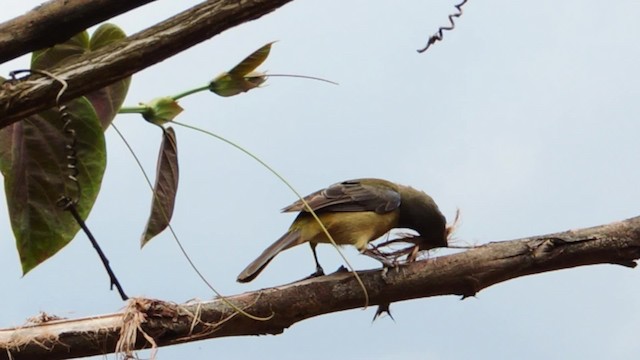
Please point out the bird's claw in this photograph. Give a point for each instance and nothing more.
(319, 272)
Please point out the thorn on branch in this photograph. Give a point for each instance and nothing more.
(382, 309)
(626, 263)
(471, 285)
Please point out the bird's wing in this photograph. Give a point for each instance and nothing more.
(352, 195)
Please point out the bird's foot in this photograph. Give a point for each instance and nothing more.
(387, 262)
(319, 272)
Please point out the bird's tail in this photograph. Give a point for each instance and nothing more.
(287, 240)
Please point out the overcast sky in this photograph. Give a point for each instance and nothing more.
(526, 118)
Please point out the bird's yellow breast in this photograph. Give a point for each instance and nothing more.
(346, 228)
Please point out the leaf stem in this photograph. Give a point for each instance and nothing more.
(189, 92)
(133, 110)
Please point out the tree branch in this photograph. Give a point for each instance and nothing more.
(459, 274)
(32, 31)
(117, 61)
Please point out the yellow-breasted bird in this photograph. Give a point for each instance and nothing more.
(356, 212)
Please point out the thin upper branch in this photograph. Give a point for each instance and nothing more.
(461, 274)
(117, 61)
(32, 31)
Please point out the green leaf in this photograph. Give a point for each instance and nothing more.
(165, 189)
(33, 156)
(104, 35)
(107, 100)
(161, 110)
(242, 77)
(252, 61)
(33, 161)
(227, 85)
(60, 53)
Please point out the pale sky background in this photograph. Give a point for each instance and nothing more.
(525, 117)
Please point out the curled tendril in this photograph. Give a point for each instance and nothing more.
(439, 34)
(70, 148)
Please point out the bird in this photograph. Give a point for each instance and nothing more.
(356, 212)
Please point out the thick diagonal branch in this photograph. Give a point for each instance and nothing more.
(459, 274)
(117, 61)
(32, 31)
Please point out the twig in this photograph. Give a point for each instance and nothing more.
(70, 206)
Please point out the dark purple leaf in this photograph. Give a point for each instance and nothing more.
(164, 192)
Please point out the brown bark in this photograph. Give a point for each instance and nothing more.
(459, 274)
(32, 31)
(117, 61)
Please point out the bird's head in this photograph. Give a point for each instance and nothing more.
(419, 212)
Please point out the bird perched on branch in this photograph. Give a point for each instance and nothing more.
(356, 212)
